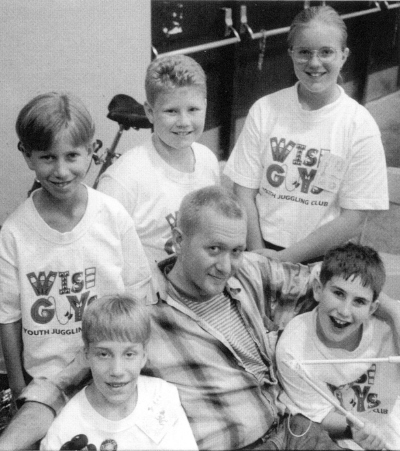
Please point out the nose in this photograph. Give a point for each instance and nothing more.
(224, 264)
(314, 59)
(60, 169)
(344, 308)
(183, 119)
(116, 367)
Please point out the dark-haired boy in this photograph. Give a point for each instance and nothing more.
(343, 327)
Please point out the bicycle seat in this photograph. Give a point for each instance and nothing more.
(128, 112)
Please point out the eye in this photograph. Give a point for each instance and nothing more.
(102, 354)
(326, 52)
(237, 252)
(360, 301)
(338, 293)
(46, 157)
(303, 52)
(214, 250)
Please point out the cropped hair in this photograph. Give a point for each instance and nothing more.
(354, 260)
(218, 198)
(324, 14)
(115, 318)
(167, 73)
(47, 117)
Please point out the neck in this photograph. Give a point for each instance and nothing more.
(177, 280)
(181, 159)
(315, 100)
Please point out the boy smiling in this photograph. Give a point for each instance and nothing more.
(343, 327)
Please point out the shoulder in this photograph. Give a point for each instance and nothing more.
(361, 119)
(296, 332)
(107, 206)
(130, 162)
(20, 216)
(204, 153)
(157, 389)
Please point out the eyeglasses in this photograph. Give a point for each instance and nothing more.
(303, 55)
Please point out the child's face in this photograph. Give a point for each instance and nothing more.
(316, 76)
(178, 117)
(344, 306)
(61, 169)
(115, 369)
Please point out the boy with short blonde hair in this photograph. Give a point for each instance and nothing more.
(120, 408)
(343, 327)
(152, 179)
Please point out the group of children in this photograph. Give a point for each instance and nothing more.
(72, 259)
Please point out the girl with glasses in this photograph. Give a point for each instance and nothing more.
(309, 163)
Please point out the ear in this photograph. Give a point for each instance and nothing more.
(317, 289)
(346, 53)
(28, 159)
(177, 238)
(148, 109)
(144, 359)
(374, 305)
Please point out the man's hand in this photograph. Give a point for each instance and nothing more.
(369, 437)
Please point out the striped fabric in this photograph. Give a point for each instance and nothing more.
(222, 313)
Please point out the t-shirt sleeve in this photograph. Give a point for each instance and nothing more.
(298, 396)
(109, 185)
(10, 305)
(136, 272)
(244, 165)
(365, 184)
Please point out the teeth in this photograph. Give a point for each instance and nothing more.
(339, 323)
(117, 385)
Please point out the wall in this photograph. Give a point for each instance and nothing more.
(94, 48)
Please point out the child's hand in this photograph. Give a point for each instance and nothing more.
(369, 437)
(268, 253)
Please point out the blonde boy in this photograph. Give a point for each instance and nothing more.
(343, 327)
(151, 180)
(120, 409)
(63, 247)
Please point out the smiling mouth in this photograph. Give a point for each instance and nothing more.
(315, 74)
(117, 385)
(182, 133)
(339, 324)
(60, 184)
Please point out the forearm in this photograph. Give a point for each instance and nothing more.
(330, 235)
(11, 340)
(247, 197)
(29, 425)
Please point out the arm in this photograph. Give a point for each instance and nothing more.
(389, 311)
(369, 437)
(43, 398)
(247, 196)
(332, 234)
(28, 426)
(11, 340)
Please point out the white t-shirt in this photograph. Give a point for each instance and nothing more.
(157, 422)
(47, 278)
(369, 390)
(307, 165)
(151, 191)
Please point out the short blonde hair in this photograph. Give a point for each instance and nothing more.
(115, 318)
(167, 73)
